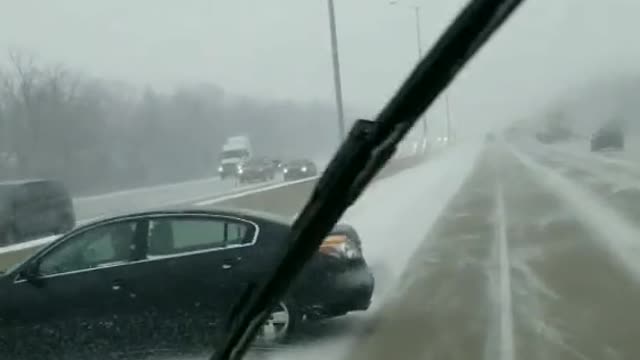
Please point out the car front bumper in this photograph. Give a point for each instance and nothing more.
(297, 174)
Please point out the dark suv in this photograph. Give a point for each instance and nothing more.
(610, 137)
(299, 169)
(256, 169)
(32, 208)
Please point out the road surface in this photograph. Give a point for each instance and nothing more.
(494, 251)
(535, 254)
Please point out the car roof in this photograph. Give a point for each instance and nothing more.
(222, 211)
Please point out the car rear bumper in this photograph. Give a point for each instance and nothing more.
(335, 290)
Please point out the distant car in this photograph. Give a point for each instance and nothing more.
(608, 138)
(32, 208)
(256, 169)
(299, 169)
(277, 164)
(168, 280)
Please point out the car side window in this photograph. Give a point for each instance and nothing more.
(107, 245)
(168, 236)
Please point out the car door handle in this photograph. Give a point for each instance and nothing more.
(229, 263)
(117, 285)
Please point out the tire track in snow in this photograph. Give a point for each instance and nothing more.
(506, 306)
(443, 307)
(575, 298)
(615, 233)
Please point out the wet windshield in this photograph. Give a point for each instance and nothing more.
(503, 227)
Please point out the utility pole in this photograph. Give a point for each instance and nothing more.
(446, 100)
(418, 31)
(336, 70)
(416, 10)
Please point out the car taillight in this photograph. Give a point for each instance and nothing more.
(340, 246)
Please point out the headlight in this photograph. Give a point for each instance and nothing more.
(304, 169)
(341, 247)
(285, 170)
(240, 171)
(220, 169)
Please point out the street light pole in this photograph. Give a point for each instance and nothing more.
(416, 10)
(418, 31)
(446, 100)
(336, 70)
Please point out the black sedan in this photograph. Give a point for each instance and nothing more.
(168, 280)
(299, 169)
(257, 169)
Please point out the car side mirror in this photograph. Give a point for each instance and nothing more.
(31, 273)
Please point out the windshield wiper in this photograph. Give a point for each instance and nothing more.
(369, 145)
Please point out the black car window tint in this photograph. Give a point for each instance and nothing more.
(235, 233)
(179, 235)
(160, 240)
(107, 245)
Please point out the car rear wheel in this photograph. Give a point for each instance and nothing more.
(282, 322)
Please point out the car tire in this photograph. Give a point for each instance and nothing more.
(282, 323)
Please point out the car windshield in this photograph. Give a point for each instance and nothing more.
(298, 163)
(141, 203)
(230, 154)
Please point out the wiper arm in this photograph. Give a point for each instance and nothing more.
(367, 148)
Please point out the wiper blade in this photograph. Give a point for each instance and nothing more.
(367, 148)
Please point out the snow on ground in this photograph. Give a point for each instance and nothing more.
(617, 235)
(393, 218)
(157, 196)
(395, 214)
(505, 302)
(28, 244)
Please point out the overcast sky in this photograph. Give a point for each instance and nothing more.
(281, 49)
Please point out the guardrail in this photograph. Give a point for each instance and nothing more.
(285, 198)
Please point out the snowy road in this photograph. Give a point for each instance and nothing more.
(494, 251)
(515, 252)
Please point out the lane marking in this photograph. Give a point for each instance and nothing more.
(139, 190)
(254, 191)
(506, 307)
(45, 240)
(209, 201)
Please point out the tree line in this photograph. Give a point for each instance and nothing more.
(97, 135)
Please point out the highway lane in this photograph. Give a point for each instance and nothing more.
(530, 255)
(532, 258)
(277, 196)
(158, 196)
(519, 267)
(392, 217)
